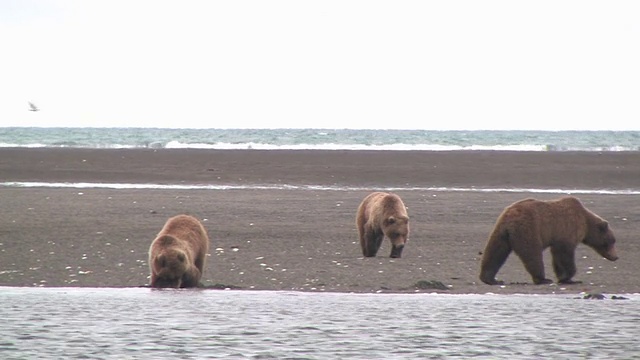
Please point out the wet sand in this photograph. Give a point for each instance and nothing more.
(300, 239)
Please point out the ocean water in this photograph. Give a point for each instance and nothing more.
(328, 139)
(140, 323)
(310, 139)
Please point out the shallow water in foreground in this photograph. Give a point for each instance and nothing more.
(140, 323)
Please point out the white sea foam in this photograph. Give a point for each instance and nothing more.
(334, 146)
(315, 139)
(325, 146)
(86, 185)
(12, 145)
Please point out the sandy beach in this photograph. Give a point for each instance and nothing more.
(300, 239)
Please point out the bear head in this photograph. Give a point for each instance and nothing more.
(170, 266)
(396, 228)
(600, 237)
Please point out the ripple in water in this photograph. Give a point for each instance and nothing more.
(139, 323)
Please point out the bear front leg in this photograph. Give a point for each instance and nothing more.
(372, 241)
(564, 263)
(363, 237)
(494, 256)
(191, 278)
(199, 262)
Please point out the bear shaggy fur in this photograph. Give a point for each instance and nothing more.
(177, 255)
(382, 214)
(529, 226)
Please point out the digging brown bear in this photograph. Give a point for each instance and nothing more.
(529, 226)
(177, 255)
(378, 215)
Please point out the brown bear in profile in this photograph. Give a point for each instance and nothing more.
(529, 226)
(382, 214)
(177, 255)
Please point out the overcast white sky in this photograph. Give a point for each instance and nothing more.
(321, 64)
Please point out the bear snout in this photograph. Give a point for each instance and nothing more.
(610, 253)
(396, 251)
(167, 283)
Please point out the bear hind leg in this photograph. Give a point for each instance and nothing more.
(564, 264)
(535, 266)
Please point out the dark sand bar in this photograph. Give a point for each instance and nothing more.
(301, 239)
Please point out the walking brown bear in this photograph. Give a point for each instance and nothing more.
(529, 226)
(382, 214)
(177, 255)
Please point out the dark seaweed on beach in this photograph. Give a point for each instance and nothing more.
(433, 284)
(598, 296)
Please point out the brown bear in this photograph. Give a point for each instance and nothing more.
(177, 255)
(382, 214)
(529, 226)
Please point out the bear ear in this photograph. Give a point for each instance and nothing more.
(603, 226)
